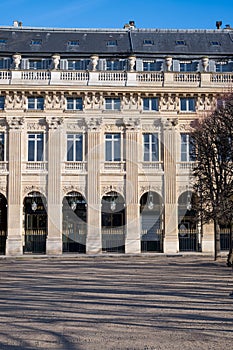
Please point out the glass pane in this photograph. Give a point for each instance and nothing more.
(40, 148)
(108, 151)
(79, 149)
(146, 104)
(31, 150)
(183, 104)
(1, 147)
(117, 150)
(79, 104)
(154, 104)
(70, 150)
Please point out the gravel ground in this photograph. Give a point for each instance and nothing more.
(116, 302)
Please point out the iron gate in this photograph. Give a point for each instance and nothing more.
(188, 240)
(2, 241)
(35, 241)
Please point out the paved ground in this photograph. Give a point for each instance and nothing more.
(115, 303)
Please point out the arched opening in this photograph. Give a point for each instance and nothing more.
(151, 212)
(3, 223)
(189, 235)
(113, 223)
(74, 212)
(35, 223)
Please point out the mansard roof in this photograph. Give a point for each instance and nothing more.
(117, 42)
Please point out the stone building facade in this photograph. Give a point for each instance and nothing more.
(94, 134)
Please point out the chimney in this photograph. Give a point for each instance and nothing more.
(218, 24)
(16, 24)
(132, 24)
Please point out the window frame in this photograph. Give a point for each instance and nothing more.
(186, 148)
(2, 147)
(187, 104)
(151, 153)
(37, 143)
(35, 103)
(113, 147)
(112, 104)
(150, 104)
(74, 103)
(73, 153)
(2, 103)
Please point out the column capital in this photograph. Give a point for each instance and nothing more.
(15, 123)
(54, 122)
(169, 123)
(93, 124)
(131, 124)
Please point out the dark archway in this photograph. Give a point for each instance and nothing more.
(151, 213)
(35, 223)
(3, 223)
(74, 210)
(189, 238)
(113, 222)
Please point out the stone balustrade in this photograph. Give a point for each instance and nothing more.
(116, 78)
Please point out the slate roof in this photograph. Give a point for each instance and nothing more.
(144, 42)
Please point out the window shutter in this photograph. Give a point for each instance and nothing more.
(25, 63)
(212, 67)
(63, 64)
(176, 66)
(102, 64)
(139, 64)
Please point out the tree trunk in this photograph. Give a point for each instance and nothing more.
(230, 255)
(216, 240)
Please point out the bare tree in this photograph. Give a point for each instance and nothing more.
(213, 174)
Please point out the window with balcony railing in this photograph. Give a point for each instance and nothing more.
(151, 148)
(74, 147)
(112, 147)
(186, 148)
(35, 147)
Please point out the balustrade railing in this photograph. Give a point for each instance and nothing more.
(148, 77)
(74, 76)
(112, 76)
(75, 166)
(3, 166)
(35, 75)
(152, 166)
(114, 166)
(35, 166)
(187, 77)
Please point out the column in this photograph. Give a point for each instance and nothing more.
(14, 244)
(171, 242)
(54, 197)
(94, 241)
(133, 240)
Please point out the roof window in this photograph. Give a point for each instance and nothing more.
(148, 42)
(180, 42)
(111, 43)
(3, 41)
(73, 43)
(215, 43)
(36, 42)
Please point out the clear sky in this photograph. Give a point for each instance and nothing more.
(180, 14)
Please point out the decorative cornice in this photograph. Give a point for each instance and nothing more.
(15, 123)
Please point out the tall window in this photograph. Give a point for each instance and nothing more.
(78, 64)
(36, 103)
(112, 147)
(2, 102)
(113, 104)
(152, 66)
(75, 104)
(187, 104)
(150, 104)
(35, 147)
(151, 148)
(186, 151)
(2, 147)
(116, 64)
(74, 147)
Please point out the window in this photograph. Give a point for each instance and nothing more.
(113, 104)
(187, 104)
(73, 43)
(5, 63)
(2, 147)
(148, 42)
(74, 147)
(2, 102)
(150, 104)
(116, 65)
(3, 41)
(78, 64)
(185, 66)
(180, 42)
(36, 42)
(112, 147)
(35, 147)
(35, 65)
(223, 67)
(111, 43)
(186, 151)
(151, 148)
(215, 43)
(75, 104)
(152, 66)
(36, 103)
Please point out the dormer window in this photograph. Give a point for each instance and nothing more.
(3, 41)
(180, 43)
(111, 43)
(36, 42)
(73, 43)
(215, 43)
(148, 42)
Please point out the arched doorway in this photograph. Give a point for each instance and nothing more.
(151, 212)
(189, 237)
(113, 223)
(35, 223)
(3, 223)
(74, 233)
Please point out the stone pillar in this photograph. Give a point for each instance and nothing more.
(94, 239)
(171, 242)
(208, 238)
(133, 240)
(14, 244)
(54, 197)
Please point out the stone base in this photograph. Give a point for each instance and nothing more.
(94, 246)
(53, 246)
(171, 246)
(133, 246)
(14, 246)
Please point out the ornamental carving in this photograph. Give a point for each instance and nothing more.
(93, 124)
(3, 189)
(77, 126)
(148, 188)
(34, 188)
(131, 123)
(15, 123)
(170, 123)
(119, 188)
(74, 188)
(54, 122)
(35, 126)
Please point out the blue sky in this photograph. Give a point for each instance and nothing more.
(179, 14)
